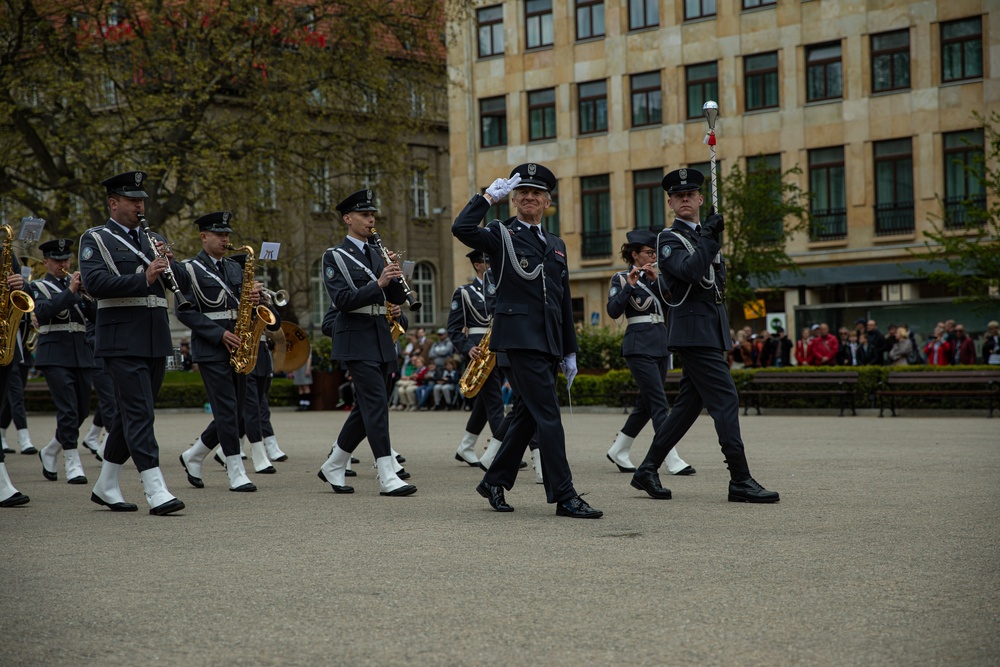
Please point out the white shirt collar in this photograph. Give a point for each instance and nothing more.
(691, 225)
(121, 226)
(358, 242)
(530, 226)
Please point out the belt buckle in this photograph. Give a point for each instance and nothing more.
(150, 301)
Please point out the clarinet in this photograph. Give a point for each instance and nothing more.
(168, 274)
(411, 298)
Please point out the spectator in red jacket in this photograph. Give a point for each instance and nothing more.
(938, 350)
(963, 348)
(802, 347)
(823, 348)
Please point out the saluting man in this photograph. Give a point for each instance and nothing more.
(9, 495)
(360, 284)
(532, 331)
(698, 332)
(64, 355)
(124, 273)
(215, 283)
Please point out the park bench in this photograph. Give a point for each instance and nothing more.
(938, 384)
(628, 397)
(797, 384)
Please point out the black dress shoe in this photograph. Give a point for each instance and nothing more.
(51, 476)
(29, 450)
(621, 468)
(350, 473)
(172, 505)
(17, 499)
(687, 471)
(460, 459)
(336, 489)
(522, 465)
(269, 470)
(283, 457)
(400, 459)
(8, 450)
(648, 480)
(481, 466)
(577, 508)
(354, 460)
(405, 490)
(402, 474)
(192, 480)
(494, 494)
(749, 491)
(114, 507)
(79, 479)
(245, 488)
(218, 459)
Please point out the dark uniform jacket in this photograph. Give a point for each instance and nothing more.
(360, 335)
(530, 314)
(112, 272)
(643, 300)
(469, 312)
(214, 309)
(62, 325)
(700, 319)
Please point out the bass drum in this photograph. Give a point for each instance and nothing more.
(291, 347)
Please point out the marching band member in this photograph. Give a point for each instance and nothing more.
(360, 284)
(9, 495)
(12, 403)
(64, 355)
(635, 293)
(125, 274)
(215, 286)
(532, 331)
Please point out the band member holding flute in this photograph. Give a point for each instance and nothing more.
(123, 270)
(698, 332)
(635, 293)
(360, 285)
(9, 495)
(64, 355)
(532, 331)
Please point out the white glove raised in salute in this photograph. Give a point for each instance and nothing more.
(502, 187)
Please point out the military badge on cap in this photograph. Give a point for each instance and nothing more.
(532, 168)
(57, 249)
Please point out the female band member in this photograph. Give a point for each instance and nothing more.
(634, 293)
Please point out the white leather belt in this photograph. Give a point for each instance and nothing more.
(150, 301)
(478, 330)
(646, 319)
(369, 310)
(223, 315)
(74, 327)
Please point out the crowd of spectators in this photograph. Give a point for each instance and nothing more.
(865, 345)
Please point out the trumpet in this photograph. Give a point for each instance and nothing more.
(279, 298)
(169, 279)
(411, 297)
(82, 292)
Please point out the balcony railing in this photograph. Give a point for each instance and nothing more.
(956, 210)
(597, 244)
(894, 218)
(828, 224)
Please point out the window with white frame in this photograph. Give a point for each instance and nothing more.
(420, 194)
(267, 188)
(423, 284)
(319, 183)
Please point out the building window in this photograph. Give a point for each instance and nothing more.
(423, 284)
(647, 192)
(420, 195)
(893, 187)
(761, 81)
(963, 176)
(891, 61)
(962, 50)
(698, 9)
(319, 183)
(643, 14)
(593, 107)
(702, 85)
(321, 298)
(828, 211)
(596, 196)
(490, 20)
(647, 102)
(538, 23)
(550, 221)
(706, 189)
(589, 19)
(267, 189)
(753, 4)
(542, 114)
(493, 122)
(824, 72)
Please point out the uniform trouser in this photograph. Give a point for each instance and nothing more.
(105, 388)
(226, 391)
(705, 382)
(263, 390)
(649, 374)
(501, 431)
(487, 406)
(5, 374)
(370, 415)
(532, 375)
(137, 382)
(70, 389)
(13, 398)
(250, 422)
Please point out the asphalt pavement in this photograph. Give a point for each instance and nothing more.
(884, 550)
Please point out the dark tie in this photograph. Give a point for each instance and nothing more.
(697, 229)
(135, 237)
(218, 265)
(368, 255)
(540, 234)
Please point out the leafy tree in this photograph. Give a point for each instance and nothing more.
(763, 209)
(966, 239)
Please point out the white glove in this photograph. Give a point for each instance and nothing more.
(569, 368)
(502, 187)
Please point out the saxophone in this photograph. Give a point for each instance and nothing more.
(479, 369)
(250, 320)
(13, 303)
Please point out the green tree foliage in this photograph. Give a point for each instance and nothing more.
(224, 104)
(763, 209)
(970, 249)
